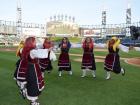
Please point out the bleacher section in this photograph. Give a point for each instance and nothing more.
(9, 40)
(124, 41)
(130, 42)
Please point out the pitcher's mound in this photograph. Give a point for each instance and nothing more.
(96, 60)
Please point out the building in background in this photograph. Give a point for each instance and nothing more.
(62, 25)
(31, 29)
(8, 31)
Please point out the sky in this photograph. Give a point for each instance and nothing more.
(86, 12)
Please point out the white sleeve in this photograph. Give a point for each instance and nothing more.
(124, 48)
(39, 53)
(76, 45)
(137, 48)
(52, 56)
(100, 45)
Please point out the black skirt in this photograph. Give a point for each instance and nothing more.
(45, 64)
(112, 63)
(88, 61)
(64, 62)
(32, 87)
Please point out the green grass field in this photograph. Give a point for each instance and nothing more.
(74, 90)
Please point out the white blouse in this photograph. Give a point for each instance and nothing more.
(42, 53)
(121, 47)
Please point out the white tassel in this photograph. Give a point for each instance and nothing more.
(107, 75)
(70, 72)
(84, 73)
(60, 73)
(94, 73)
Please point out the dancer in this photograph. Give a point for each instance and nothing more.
(45, 64)
(18, 54)
(29, 77)
(88, 60)
(112, 60)
(64, 60)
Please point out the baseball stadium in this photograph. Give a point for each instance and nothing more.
(72, 89)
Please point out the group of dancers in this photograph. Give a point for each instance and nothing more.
(35, 60)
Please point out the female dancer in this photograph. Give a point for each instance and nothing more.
(112, 60)
(64, 61)
(29, 77)
(45, 64)
(88, 60)
(18, 54)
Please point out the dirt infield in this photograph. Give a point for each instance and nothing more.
(100, 49)
(96, 60)
(133, 61)
(7, 49)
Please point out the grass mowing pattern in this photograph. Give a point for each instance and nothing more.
(74, 90)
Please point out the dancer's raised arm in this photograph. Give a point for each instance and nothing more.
(124, 48)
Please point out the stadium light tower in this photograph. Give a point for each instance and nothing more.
(128, 18)
(19, 19)
(103, 31)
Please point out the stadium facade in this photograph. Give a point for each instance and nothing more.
(63, 27)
